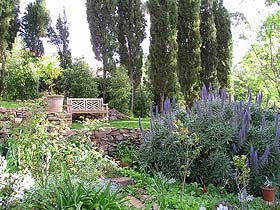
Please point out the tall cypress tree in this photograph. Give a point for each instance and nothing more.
(8, 29)
(208, 49)
(163, 48)
(59, 36)
(224, 43)
(101, 17)
(189, 42)
(131, 33)
(34, 25)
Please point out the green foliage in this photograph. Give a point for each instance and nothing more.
(260, 66)
(8, 27)
(101, 17)
(78, 81)
(125, 151)
(131, 33)
(142, 101)
(242, 176)
(22, 75)
(59, 36)
(224, 43)
(169, 147)
(68, 193)
(208, 48)
(34, 26)
(189, 42)
(119, 90)
(49, 71)
(163, 47)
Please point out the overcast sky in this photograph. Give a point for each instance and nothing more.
(80, 36)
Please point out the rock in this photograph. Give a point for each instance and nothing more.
(17, 120)
(123, 181)
(116, 115)
(136, 203)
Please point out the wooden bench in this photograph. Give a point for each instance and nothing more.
(87, 105)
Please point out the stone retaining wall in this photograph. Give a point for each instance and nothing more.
(108, 139)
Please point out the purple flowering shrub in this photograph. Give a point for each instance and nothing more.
(227, 128)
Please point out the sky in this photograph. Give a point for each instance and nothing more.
(80, 36)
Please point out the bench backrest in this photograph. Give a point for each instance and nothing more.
(85, 104)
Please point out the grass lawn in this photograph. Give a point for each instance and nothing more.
(9, 104)
(129, 123)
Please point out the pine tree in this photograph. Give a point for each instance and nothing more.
(189, 42)
(101, 17)
(59, 36)
(208, 49)
(8, 30)
(131, 33)
(224, 43)
(163, 48)
(34, 26)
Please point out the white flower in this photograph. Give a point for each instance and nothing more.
(222, 207)
(3, 164)
(202, 208)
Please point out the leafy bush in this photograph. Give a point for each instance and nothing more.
(227, 128)
(22, 79)
(79, 82)
(142, 101)
(119, 90)
(169, 147)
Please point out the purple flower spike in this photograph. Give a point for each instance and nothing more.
(189, 111)
(166, 106)
(264, 157)
(210, 87)
(223, 95)
(204, 93)
(277, 135)
(235, 149)
(242, 135)
(156, 110)
(276, 120)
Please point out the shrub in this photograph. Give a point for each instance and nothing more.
(227, 128)
(142, 101)
(79, 82)
(119, 90)
(22, 79)
(169, 147)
